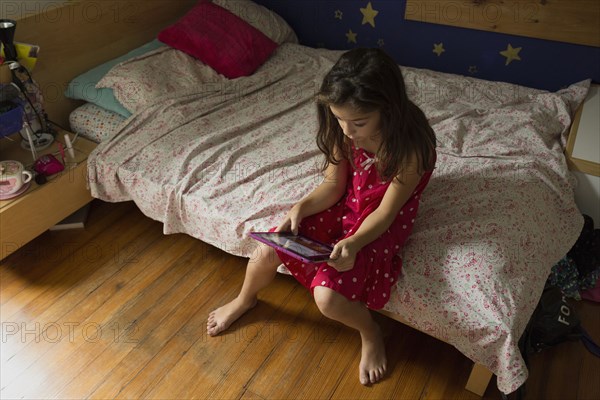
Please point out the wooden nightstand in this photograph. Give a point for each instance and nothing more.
(583, 154)
(28, 215)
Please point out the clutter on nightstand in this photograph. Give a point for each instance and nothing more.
(11, 116)
(14, 179)
(16, 63)
(47, 165)
(28, 137)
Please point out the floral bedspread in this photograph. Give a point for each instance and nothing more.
(220, 158)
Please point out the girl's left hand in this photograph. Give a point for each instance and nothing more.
(343, 255)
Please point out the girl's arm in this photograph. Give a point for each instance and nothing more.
(397, 194)
(324, 196)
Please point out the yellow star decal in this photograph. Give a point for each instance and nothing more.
(351, 36)
(438, 48)
(338, 14)
(369, 15)
(511, 54)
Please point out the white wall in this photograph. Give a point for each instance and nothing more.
(587, 196)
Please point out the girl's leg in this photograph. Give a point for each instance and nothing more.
(260, 271)
(373, 362)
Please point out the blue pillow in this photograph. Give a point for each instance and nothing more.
(83, 87)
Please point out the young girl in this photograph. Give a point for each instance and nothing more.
(379, 155)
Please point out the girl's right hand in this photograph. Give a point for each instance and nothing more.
(291, 220)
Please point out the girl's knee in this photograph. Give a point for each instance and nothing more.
(265, 255)
(328, 301)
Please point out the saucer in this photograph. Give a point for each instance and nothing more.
(17, 193)
(40, 142)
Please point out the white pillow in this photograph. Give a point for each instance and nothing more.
(268, 22)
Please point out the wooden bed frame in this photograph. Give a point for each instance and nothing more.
(75, 37)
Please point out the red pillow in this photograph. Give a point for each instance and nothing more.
(220, 39)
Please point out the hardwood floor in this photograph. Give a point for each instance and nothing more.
(118, 310)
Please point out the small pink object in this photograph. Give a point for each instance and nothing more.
(47, 165)
(592, 294)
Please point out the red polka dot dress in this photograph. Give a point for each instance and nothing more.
(378, 264)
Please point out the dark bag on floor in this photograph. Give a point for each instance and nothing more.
(554, 321)
(586, 251)
(579, 269)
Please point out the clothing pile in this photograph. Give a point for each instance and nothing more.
(577, 273)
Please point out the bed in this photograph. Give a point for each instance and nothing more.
(216, 158)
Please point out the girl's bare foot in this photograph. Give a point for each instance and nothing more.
(373, 362)
(222, 318)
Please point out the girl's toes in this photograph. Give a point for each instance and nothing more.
(364, 377)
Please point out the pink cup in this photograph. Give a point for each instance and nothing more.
(12, 177)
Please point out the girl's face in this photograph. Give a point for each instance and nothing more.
(363, 128)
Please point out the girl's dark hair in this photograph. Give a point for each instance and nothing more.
(369, 80)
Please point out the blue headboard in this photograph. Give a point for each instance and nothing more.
(345, 24)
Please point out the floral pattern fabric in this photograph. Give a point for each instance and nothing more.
(94, 122)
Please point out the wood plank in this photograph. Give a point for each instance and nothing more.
(90, 318)
(165, 347)
(334, 349)
(71, 268)
(561, 20)
(18, 269)
(104, 316)
(156, 353)
(555, 360)
(409, 368)
(168, 293)
(479, 379)
(149, 311)
(251, 333)
(441, 385)
(93, 272)
(588, 382)
(301, 338)
(248, 395)
(129, 324)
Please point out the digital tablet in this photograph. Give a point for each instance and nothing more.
(297, 246)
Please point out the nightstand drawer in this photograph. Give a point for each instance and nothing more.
(25, 217)
(34, 213)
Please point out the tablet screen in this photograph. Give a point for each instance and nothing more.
(298, 246)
